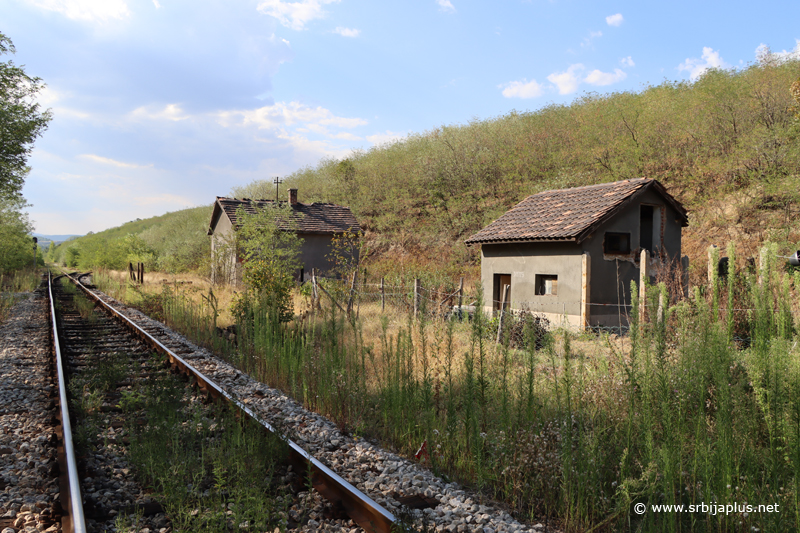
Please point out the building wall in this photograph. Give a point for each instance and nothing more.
(314, 253)
(610, 274)
(524, 262)
(224, 265)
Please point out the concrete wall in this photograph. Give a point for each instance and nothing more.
(610, 274)
(224, 265)
(313, 254)
(523, 262)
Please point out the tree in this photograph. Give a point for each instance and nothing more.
(270, 248)
(21, 122)
(16, 247)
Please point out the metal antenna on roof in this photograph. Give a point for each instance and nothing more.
(277, 181)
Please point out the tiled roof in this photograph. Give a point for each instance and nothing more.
(312, 218)
(567, 214)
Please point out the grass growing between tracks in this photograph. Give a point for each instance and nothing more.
(211, 470)
(702, 406)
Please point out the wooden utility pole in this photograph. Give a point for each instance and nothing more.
(460, 294)
(383, 297)
(277, 181)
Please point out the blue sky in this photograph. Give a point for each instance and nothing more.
(160, 105)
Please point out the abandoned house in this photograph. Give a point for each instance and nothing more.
(317, 225)
(571, 254)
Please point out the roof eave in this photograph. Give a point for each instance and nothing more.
(470, 242)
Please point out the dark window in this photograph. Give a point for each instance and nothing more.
(617, 243)
(646, 227)
(546, 285)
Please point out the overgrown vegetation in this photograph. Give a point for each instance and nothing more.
(575, 428)
(21, 122)
(210, 470)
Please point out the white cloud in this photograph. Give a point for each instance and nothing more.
(108, 161)
(696, 67)
(597, 77)
(294, 15)
(615, 20)
(764, 54)
(522, 89)
(157, 4)
(89, 10)
(287, 114)
(587, 41)
(385, 138)
(347, 32)
(627, 62)
(567, 81)
(171, 112)
(446, 5)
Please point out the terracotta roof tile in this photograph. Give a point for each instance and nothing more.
(312, 218)
(566, 214)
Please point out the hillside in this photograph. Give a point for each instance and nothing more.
(725, 145)
(174, 242)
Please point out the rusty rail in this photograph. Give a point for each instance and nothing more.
(361, 508)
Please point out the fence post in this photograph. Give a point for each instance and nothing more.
(352, 291)
(712, 267)
(130, 272)
(644, 278)
(417, 287)
(460, 294)
(586, 266)
(685, 275)
(503, 299)
(314, 292)
(383, 297)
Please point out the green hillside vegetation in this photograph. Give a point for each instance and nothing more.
(174, 242)
(725, 145)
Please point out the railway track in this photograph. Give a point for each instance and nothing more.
(90, 341)
(366, 487)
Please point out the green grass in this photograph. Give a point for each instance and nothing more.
(683, 411)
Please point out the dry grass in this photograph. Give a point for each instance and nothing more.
(194, 287)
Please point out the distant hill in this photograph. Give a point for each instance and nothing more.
(45, 240)
(173, 242)
(54, 238)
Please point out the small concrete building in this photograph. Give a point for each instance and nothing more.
(317, 225)
(571, 254)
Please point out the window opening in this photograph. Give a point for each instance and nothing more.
(546, 285)
(617, 243)
(646, 227)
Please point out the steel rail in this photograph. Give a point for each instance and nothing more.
(367, 513)
(76, 516)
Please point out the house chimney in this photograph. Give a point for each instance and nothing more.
(293, 196)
